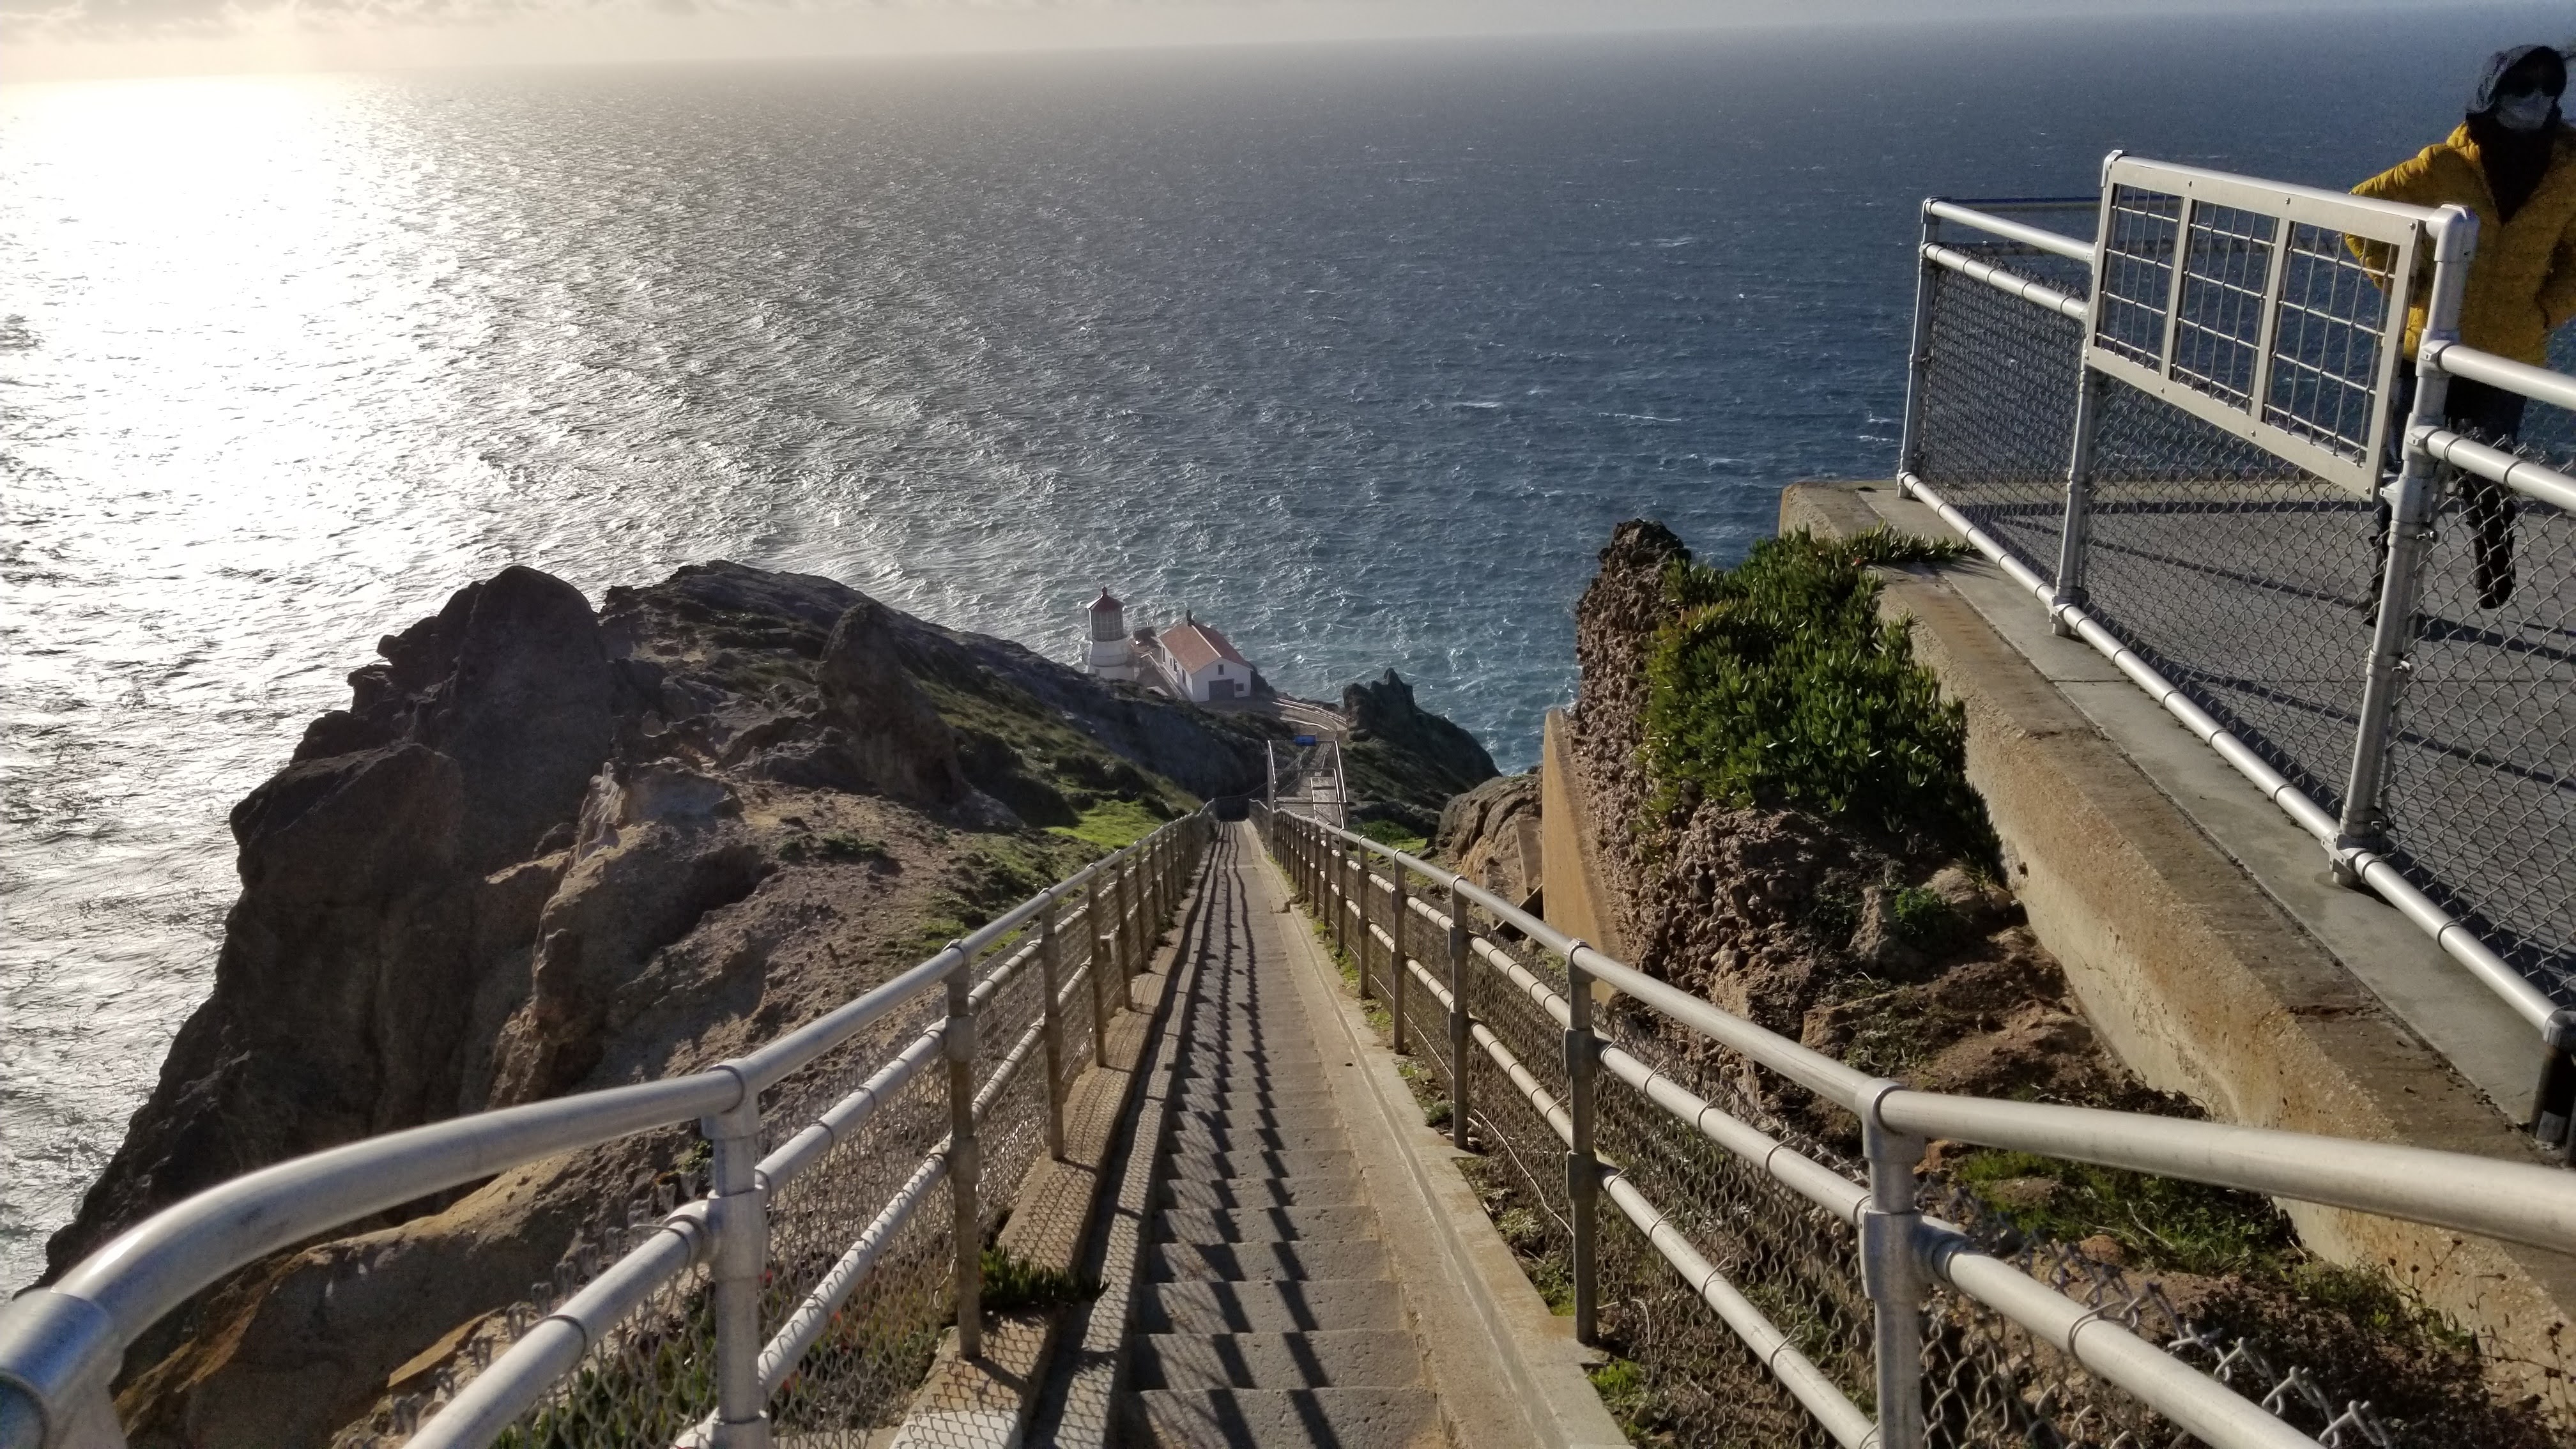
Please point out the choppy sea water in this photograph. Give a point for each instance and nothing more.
(1358, 352)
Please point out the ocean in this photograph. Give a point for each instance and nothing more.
(1356, 351)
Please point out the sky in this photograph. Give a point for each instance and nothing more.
(44, 40)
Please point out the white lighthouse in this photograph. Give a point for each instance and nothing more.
(1108, 653)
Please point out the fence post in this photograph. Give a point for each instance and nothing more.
(1909, 445)
(737, 1213)
(2411, 502)
(1096, 971)
(1582, 1167)
(965, 1163)
(1123, 892)
(1458, 1019)
(2075, 537)
(1362, 895)
(1892, 1275)
(1053, 1032)
(1396, 969)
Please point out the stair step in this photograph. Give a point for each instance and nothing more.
(1205, 1166)
(1303, 1190)
(1331, 1359)
(1252, 1116)
(1263, 1224)
(1263, 1418)
(1272, 1099)
(1209, 1306)
(1193, 1137)
(1266, 1262)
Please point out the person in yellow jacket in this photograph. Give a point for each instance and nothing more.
(2512, 161)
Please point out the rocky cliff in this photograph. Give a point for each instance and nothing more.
(546, 849)
(1403, 762)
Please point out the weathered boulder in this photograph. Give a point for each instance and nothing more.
(897, 742)
(340, 989)
(1492, 835)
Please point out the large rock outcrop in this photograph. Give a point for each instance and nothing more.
(1403, 762)
(547, 850)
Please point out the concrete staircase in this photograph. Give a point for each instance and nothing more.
(1271, 1315)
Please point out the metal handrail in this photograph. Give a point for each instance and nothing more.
(2520, 1202)
(2355, 839)
(60, 1346)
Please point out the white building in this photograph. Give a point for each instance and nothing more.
(1200, 663)
(1109, 653)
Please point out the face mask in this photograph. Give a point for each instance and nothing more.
(2524, 113)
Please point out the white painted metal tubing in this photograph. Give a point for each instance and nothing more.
(1796, 1372)
(2079, 249)
(806, 1322)
(2537, 383)
(2522, 475)
(771, 1064)
(2010, 283)
(2520, 1201)
(1795, 1171)
(2456, 940)
(807, 1147)
(2198, 1404)
(1811, 1069)
(2274, 786)
(555, 1346)
(156, 1265)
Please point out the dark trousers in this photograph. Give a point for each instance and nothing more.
(2491, 416)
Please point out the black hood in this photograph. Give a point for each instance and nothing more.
(2497, 65)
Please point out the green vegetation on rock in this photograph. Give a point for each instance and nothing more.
(1776, 683)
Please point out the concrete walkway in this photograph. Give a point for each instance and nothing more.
(1270, 1311)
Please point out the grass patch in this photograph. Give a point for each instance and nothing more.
(2159, 1222)
(1112, 824)
(1776, 683)
(1013, 1284)
(1393, 836)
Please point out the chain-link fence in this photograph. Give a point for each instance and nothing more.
(1745, 1200)
(800, 1261)
(2225, 531)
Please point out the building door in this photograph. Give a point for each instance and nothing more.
(1221, 689)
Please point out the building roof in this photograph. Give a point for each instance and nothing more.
(1194, 646)
(1105, 602)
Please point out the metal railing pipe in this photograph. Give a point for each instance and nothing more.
(1052, 1016)
(2410, 501)
(807, 1321)
(524, 1374)
(1459, 1098)
(737, 1216)
(2519, 1201)
(2556, 1024)
(2537, 383)
(2200, 1406)
(2522, 475)
(1809, 1068)
(967, 1227)
(1815, 1392)
(801, 1151)
(1890, 1232)
(2009, 282)
(1582, 1164)
(161, 1262)
(2078, 249)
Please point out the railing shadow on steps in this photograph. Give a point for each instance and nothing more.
(690, 1335)
(1530, 1029)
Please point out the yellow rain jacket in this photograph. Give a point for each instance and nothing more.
(2522, 284)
